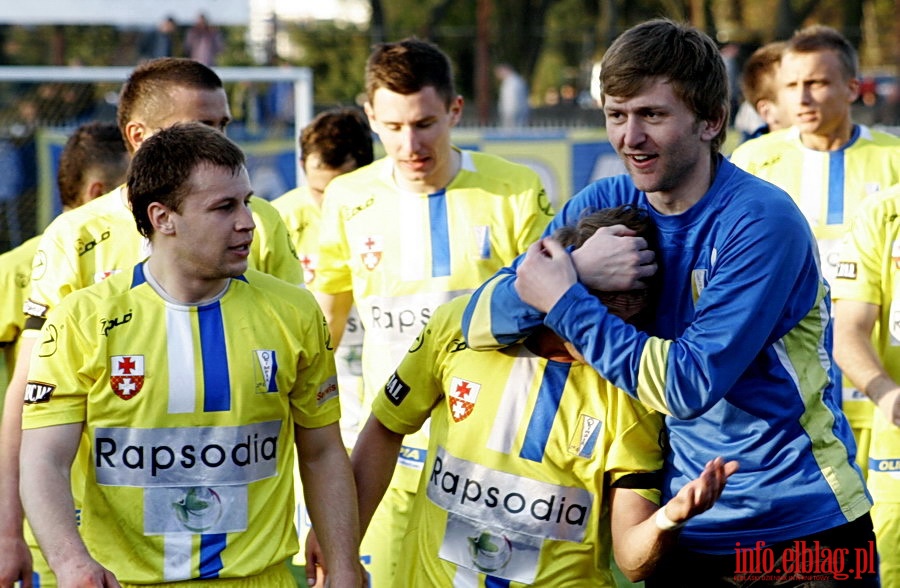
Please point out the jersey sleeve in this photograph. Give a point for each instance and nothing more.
(637, 450)
(862, 255)
(314, 399)
(54, 274)
(764, 279)
(334, 274)
(15, 272)
(495, 316)
(414, 389)
(57, 388)
(272, 250)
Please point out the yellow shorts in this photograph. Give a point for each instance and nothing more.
(277, 576)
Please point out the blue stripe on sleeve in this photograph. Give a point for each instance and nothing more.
(440, 234)
(216, 382)
(211, 547)
(552, 386)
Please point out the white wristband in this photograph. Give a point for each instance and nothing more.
(664, 523)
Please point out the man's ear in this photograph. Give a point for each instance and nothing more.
(710, 128)
(161, 219)
(135, 134)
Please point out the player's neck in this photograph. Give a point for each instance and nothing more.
(690, 190)
(174, 283)
(548, 345)
(829, 141)
(437, 180)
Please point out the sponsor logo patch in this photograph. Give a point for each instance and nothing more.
(327, 391)
(846, 270)
(268, 369)
(126, 375)
(32, 308)
(584, 440)
(37, 392)
(396, 389)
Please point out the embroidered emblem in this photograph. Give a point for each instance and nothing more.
(463, 394)
(371, 252)
(126, 375)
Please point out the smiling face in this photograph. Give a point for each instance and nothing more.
(213, 230)
(816, 93)
(665, 148)
(415, 131)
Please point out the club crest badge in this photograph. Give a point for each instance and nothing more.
(370, 251)
(126, 375)
(308, 263)
(463, 394)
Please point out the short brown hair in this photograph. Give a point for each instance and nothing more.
(338, 136)
(94, 148)
(161, 169)
(818, 38)
(148, 85)
(407, 66)
(758, 75)
(679, 53)
(638, 220)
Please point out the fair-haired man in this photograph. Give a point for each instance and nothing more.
(736, 355)
(826, 162)
(212, 397)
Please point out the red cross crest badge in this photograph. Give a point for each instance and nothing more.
(370, 251)
(126, 375)
(462, 397)
(308, 263)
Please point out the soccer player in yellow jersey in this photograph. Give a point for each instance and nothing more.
(410, 231)
(99, 239)
(537, 467)
(189, 404)
(92, 162)
(867, 347)
(825, 162)
(335, 142)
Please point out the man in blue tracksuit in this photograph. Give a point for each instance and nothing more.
(739, 353)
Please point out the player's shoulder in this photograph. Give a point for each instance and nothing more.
(20, 255)
(780, 139)
(105, 210)
(291, 200)
(491, 167)
(267, 288)
(884, 204)
(880, 139)
(263, 210)
(448, 316)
